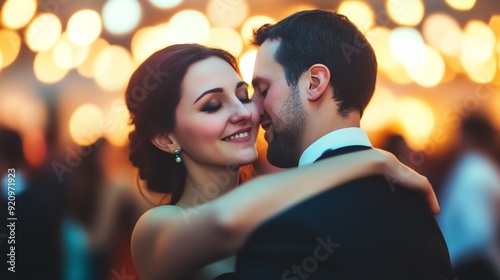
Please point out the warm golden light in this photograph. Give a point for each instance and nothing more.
(431, 71)
(478, 43)
(379, 38)
(494, 24)
(408, 12)
(121, 16)
(188, 26)
(67, 55)
(381, 111)
(43, 32)
(17, 13)
(45, 68)
(116, 125)
(148, 40)
(461, 5)
(225, 38)
(293, 8)
(165, 4)
(254, 23)
(227, 13)
(359, 13)
(85, 124)
(10, 45)
(86, 68)
(398, 75)
(481, 73)
(247, 63)
(417, 119)
(84, 27)
(443, 33)
(407, 46)
(113, 67)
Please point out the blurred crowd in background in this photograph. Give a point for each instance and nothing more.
(63, 123)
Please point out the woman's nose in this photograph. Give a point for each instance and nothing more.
(240, 112)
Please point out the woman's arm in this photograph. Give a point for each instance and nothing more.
(181, 241)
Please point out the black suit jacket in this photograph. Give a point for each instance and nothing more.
(365, 229)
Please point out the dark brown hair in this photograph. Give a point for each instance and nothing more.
(152, 96)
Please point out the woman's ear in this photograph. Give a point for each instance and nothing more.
(165, 142)
(319, 81)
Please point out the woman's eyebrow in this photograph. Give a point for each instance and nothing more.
(214, 90)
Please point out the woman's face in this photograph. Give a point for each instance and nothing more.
(216, 122)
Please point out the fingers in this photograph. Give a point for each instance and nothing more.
(432, 199)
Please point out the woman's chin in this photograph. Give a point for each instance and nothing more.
(247, 157)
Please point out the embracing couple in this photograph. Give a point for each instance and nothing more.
(332, 215)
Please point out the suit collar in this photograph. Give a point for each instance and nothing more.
(351, 136)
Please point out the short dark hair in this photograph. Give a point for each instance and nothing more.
(319, 36)
(152, 96)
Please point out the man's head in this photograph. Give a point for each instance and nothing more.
(315, 72)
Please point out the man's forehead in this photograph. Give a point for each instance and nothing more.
(264, 62)
(267, 49)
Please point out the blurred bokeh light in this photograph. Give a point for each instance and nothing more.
(417, 119)
(10, 45)
(360, 13)
(188, 26)
(408, 12)
(247, 63)
(113, 67)
(85, 124)
(253, 23)
(227, 13)
(17, 13)
(461, 5)
(121, 16)
(46, 69)
(43, 32)
(84, 27)
(165, 4)
(225, 37)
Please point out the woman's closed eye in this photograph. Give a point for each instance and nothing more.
(211, 107)
(243, 96)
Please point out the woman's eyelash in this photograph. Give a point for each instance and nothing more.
(211, 107)
(245, 100)
(264, 93)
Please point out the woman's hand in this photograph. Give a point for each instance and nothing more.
(398, 173)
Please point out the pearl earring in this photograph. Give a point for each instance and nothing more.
(178, 158)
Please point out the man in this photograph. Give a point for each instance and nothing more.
(314, 75)
(471, 195)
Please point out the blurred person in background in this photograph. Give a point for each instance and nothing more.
(194, 127)
(38, 211)
(99, 220)
(470, 203)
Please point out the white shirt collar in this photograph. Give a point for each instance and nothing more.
(334, 140)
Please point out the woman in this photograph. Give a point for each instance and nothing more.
(195, 126)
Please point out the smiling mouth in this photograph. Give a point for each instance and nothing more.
(237, 136)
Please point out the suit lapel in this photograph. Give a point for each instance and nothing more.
(344, 150)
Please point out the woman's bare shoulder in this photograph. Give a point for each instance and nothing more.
(152, 225)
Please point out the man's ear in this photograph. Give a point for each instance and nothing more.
(165, 142)
(319, 81)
